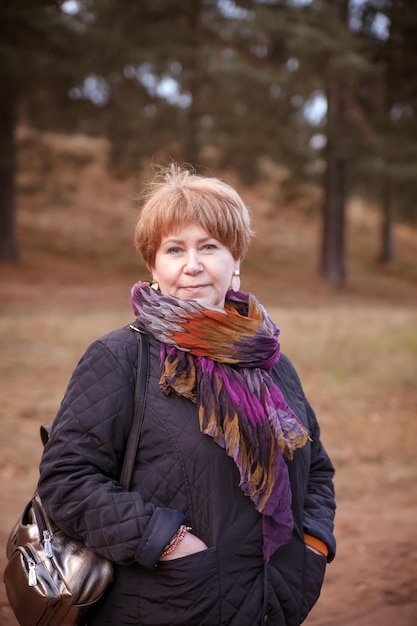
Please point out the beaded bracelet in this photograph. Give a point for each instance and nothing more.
(176, 540)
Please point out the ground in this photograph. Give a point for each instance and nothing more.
(355, 349)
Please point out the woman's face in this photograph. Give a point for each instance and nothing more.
(192, 265)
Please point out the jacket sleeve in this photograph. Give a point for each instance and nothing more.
(318, 502)
(320, 506)
(82, 460)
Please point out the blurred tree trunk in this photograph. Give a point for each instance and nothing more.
(386, 254)
(333, 238)
(8, 239)
(192, 143)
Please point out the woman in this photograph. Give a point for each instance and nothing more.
(229, 519)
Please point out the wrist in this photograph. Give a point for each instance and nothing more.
(176, 540)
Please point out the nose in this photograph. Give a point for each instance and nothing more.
(193, 263)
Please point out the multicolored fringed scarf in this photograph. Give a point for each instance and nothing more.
(221, 360)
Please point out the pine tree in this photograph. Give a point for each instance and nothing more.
(389, 110)
(36, 41)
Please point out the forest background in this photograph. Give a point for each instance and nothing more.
(307, 107)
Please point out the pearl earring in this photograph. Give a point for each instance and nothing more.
(235, 281)
(155, 284)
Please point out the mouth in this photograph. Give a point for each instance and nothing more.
(194, 287)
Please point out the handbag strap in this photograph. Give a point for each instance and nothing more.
(142, 377)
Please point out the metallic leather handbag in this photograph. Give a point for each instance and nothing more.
(51, 579)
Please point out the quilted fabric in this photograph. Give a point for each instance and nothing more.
(181, 476)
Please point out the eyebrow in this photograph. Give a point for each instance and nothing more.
(177, 240)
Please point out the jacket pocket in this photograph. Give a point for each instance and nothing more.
(283, 607)
(314, 570)
(182, 591)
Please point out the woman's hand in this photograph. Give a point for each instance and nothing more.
(189, 545)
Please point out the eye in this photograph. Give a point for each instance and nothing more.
(210, 246)
(174, 250)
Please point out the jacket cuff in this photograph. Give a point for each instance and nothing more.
(162, 526)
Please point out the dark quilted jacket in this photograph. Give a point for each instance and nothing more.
(181, 476)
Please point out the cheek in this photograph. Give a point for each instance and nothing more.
(162, 269)
(167, 275)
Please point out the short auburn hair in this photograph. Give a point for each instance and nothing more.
(177, 197)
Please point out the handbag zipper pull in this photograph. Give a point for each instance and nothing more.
(47, 544)
(32, 580)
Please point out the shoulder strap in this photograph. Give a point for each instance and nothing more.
(141, 388)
